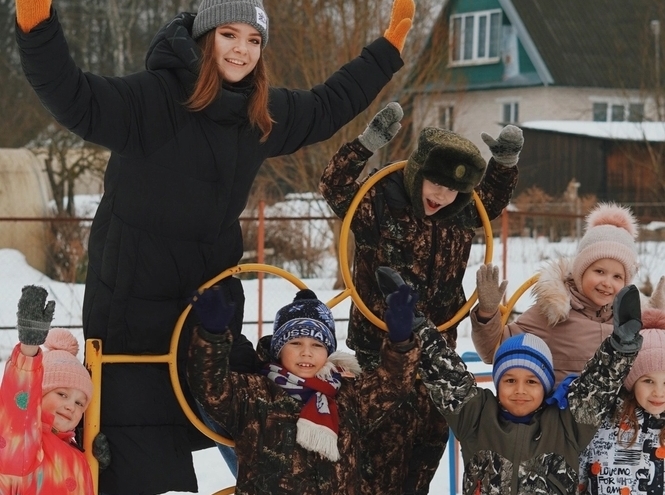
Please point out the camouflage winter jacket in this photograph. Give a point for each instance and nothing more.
(503, 457)
(431, 255)
(261, 418)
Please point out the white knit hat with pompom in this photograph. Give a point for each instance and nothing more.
(62, 369)
(610, 233)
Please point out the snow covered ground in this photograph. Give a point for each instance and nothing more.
(525, 255)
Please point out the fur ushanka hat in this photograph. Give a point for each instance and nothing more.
(447, 159)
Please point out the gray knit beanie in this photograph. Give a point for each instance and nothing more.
(213, 13)
(611, 232)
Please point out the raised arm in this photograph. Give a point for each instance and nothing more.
(338, 184)
(593, 395)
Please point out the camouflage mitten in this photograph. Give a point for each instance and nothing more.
(506, 149)
(627, 321)
(34, 315)
(383, 127)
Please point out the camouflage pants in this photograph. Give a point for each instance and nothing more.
(403, 452)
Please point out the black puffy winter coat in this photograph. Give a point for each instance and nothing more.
(174, 187)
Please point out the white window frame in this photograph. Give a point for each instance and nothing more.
(446, 116)
(618, 103)
(514, 103)
(479, 51)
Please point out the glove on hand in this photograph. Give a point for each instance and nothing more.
(490, 291)
(101, 451)
(627, 321)
(506, 149)
(399, 315)
(401, 19)
(383, 127)
(34, 315)
(212, 309)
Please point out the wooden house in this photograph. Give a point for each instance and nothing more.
(493, 62)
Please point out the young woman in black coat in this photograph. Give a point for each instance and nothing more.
(187, 137)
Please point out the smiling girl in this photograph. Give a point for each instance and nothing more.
(42, 399)
(627, 455)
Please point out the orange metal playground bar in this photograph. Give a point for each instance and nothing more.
(95, 358)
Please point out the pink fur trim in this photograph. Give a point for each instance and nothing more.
(653, 318)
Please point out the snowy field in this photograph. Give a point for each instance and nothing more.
(525, 256)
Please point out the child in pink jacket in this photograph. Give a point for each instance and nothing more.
(42, 398)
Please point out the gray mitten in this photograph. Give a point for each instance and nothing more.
(101, 450)
(506, 149)
(490, 291)
(625, 337)
(34, 315)
(383, 127)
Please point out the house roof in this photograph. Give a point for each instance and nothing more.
(591, 43)
(577, 43)
(653, 132)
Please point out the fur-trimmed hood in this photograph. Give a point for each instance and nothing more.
(551, 293)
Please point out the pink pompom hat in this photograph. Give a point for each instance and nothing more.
(61, 366)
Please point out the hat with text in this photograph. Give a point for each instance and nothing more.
(213, 13)
(306, 316)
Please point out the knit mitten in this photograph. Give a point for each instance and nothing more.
(29, 13)
(383, 127)
(490, 291)
(389, 282)
(212, 309)
(625, 337)
(34, 315)
(400, 313)
(401, 19)
(506, 149)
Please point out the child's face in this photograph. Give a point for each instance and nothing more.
(303, 356)
(67, 405)
(602, 280)
(520, 392)
(436, 197)
(649, 392)
(237, 50)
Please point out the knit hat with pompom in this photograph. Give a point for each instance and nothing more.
(306, 316)
(610, 233)
(62, 369)
(652, 355)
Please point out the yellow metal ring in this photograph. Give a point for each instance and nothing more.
(344, 239)
(173, 363)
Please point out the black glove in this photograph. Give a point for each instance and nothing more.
(101, 451)
(627, 321)
(212, 309)
(34, 315)
(399, 315)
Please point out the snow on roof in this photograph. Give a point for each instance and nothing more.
(628, 131)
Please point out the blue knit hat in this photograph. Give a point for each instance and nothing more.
(525, 351)
(306, 316)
